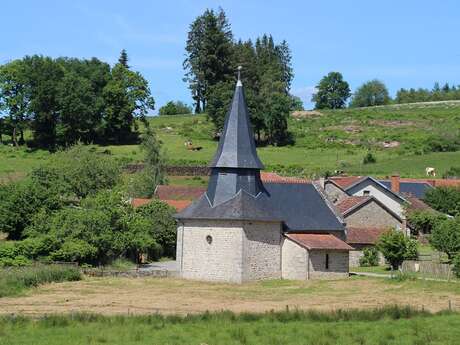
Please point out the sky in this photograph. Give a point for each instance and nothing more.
(405, 43)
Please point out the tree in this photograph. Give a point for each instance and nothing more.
(78, 119)
(208, 60)
(144, 183)
(423, 221)
(15, 97)
(163, 225)
(445, 237)
(126, 95)
(395, 247)
(444, 199)
(78, 172)
(21, 201)
(175, 108)
(296, 103)
(123, 59)
(332, 92)
(370, 94)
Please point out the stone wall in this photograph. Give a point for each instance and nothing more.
(338, 264)
(294, 261)
(334, 193)
(219, 260)
(372, 215)
(262, 251)
(239, 251)
(356, 254)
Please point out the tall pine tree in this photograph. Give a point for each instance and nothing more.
(208, 61)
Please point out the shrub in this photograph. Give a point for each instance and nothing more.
(444, 199)
(15, 280)
(453, 172)
(456, 265)
(175, 108)
(162, 224)
(446, 237)
(370, 257)
(396, 247)
(369, 158)
(423, 221)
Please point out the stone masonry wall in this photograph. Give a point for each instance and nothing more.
(372, 215)
(294, 261)
(262, 251)
(356, 254)
(338, 264)
(334, 193)
(220, 260)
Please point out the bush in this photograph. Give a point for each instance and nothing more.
(423, 221)
(453, 172)
(456, 265)
(15, 280)
(369, 158)
(175, 108)
(162, 224)
(396, 247)
(445, 237)
(370, 257)
(444, 199)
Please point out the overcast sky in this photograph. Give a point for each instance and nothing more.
(405, 43)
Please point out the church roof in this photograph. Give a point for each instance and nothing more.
(237, 148)
(298, 205)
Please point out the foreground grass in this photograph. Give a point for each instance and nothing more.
(391, 325)
(14, 281)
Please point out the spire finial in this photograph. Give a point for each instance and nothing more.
(239, 83)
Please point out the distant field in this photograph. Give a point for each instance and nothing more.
(329, 140)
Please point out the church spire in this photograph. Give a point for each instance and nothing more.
(237, 148)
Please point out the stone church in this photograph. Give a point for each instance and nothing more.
(242, 229)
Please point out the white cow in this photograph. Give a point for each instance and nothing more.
(430, 171)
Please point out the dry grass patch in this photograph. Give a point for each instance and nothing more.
(172, 296)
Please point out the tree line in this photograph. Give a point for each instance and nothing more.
(212, 58)
(333, 92)
(65, 100)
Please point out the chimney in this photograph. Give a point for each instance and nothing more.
(395, 183)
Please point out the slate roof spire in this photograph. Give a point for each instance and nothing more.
(237, 148)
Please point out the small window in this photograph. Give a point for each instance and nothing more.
(366, 193)
(327, 261)
(209, 239)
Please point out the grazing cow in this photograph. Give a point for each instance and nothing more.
(430, 171)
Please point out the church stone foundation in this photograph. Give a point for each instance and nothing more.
(229, 251)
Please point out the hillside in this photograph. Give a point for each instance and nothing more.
(403, 138)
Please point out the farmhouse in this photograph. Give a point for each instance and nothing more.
(244, 229)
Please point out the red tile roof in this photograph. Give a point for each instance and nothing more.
(350, 202)
(271, 177)
(345, 181)
(416, 203)
(172, 192)
(137, 202)
(179, 205)
(367, 235)
(318, 241)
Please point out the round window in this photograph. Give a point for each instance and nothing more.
(209, 239)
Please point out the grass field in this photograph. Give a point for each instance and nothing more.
(173, 296)
(377, 327)
(330, 140)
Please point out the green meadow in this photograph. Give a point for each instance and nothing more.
(402, 138)
(380, 327)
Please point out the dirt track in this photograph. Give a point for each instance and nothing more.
(150, 295)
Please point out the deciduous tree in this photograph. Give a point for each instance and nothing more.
(332, 92)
